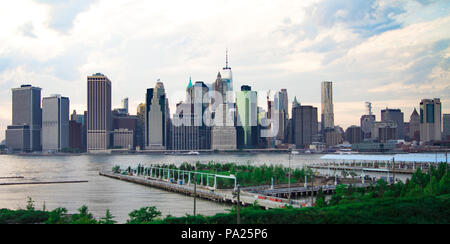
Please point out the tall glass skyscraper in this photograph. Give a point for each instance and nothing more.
(430, 120)
(247, 117)
(25, 132)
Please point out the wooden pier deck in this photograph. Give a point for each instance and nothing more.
(222, 195)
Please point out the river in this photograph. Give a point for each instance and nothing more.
(101, 193)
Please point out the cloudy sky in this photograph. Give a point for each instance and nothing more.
(390, 52)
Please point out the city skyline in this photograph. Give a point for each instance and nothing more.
(394, 58)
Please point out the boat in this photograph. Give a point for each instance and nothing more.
(193, 153)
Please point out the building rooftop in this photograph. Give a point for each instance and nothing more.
(413, 157)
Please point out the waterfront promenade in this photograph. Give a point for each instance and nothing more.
(207, 193)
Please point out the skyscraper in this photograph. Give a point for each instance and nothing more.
(99, 123)
(247, 117)
(227, 74)
(140, 126)
(281, 105)
(327, 105)
(353, 134)
(125, 105)
(55, 123)
(384, 131)
(185, 136)
(25, 132)
(446, 126)
(414, 126)
(397, 116)
(157, 118)
(304, 125)
(223, 133)
(430, 120)
(221, 87)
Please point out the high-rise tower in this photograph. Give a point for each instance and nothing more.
(227, 74)
(327, 105)
(99, 123)
(55, 123)
(156, 118)
(25, 132)
(430, 120)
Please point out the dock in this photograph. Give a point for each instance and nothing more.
(393, 168)
(207, 193)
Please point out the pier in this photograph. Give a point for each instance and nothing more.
(392, 167)
(207, 193)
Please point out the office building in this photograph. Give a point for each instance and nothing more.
(185, 136)
(430, 120)
(25, 132)
(353, 134)
(221, 87)
(140, 126)
(99, 123)
(223, 133)
(414, 126)
(55, 123)
(125, 125)
(446, 126)
(304, 125)
(384, 131)
(81, 119)
(157, 118)
(397, 116)
(367, 122)
(123, 139)
(75, 135)
(333, 137)
(282, 108)
(125, 105)
(247, 117)
(327, 105)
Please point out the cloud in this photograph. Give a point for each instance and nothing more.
(373, 50)
(64, 12)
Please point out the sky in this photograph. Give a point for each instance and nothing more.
(392, 53)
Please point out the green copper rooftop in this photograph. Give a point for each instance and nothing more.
(190, 83)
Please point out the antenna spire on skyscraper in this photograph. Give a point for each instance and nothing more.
(226, 60)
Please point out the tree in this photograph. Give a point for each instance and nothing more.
(116, 169)
(30, 204)
(83, 216)
(143, 215)
(108, 219)
(320, 199)
(58, 216)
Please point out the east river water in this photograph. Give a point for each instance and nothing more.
(101, 193)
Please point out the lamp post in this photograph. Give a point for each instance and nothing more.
(238, 204)
(289, 177)
(195, 191)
